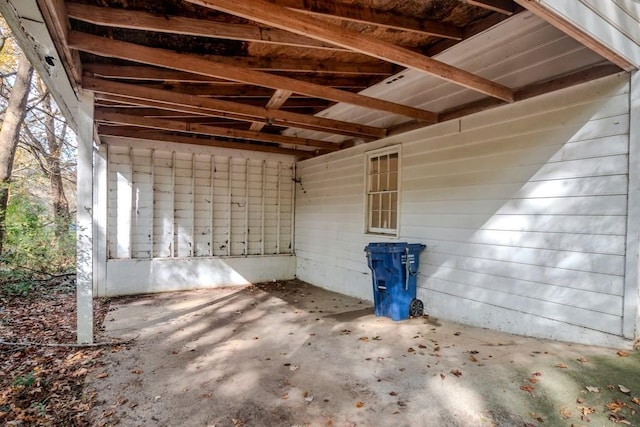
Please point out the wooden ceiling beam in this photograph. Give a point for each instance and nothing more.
(290, 20)
(128, 132)
(505, 7)
(143, 72)
(367, 15)
(136, 20)
(181, 126)
(193, 64)
(214, 107)
(277, 100)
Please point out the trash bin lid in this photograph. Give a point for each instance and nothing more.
(388, 248)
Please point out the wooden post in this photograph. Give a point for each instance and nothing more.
(84, 279)
(631, 311)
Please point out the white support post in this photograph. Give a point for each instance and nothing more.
(85, 238)
(229, 199)
(172, 247)
(279, 206)
(153, 202)
(100, 220)
(246, 208)
(192, 250)
(263, 189)
(292, 218)
(631, 313)
(211, 194)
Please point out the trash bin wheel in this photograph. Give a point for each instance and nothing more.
(416, 308)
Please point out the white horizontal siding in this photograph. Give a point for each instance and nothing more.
(523, 209)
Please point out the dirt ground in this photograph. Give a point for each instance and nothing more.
(290, 354)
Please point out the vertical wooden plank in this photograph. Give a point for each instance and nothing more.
(153, 200)
(84, 260)
(293, 207)
(211, 193)
(172, 250)
(192, 250)
(133, 221)
(100, 197)
(229, 206)
(630, 319)
(262, 194)
(278, 204)
(246, 208)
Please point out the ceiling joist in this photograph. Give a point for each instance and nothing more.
(127, 132)
(145, 21)
(193, 64)
(196, 128)
(505, 7)
(280, 17)
(219, 108)
(367, 15)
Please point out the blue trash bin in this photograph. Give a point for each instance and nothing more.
(394, 267)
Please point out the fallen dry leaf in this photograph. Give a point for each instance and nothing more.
(592, 389)
(137, 371)
(624, 389)
(636, 401)
(622, 353)
(442, 376)
(359, 404)
(616, 406)
(364, 339)
(473, 358)
(561, 366)
(528, 388)
(456, 372)
(582, 359)
(422, 346)
(565, 412)
(533, 380)
(536, 417)
(618, 419)
(537, 374)
(411, 350)
(393, 393)
(585, 410)
(102, 375)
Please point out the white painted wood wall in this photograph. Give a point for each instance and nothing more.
(523, 209)
(613, 23)
(177, 207)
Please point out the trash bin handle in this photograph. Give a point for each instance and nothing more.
(373, 271)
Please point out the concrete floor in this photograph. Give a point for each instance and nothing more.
(289, 354)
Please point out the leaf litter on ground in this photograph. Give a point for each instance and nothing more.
(43, 384)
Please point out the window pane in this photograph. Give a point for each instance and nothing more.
(394, 200)
(386, 223)
(386, 201)
(394, 220)
(374, 168)
(373, 183)
(393, 162)
(393, 181)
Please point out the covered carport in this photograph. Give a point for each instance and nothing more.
(227, 143)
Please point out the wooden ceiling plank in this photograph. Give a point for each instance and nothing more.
(164, 58)
(576, 33)
(277, 100)
(145, 21)
(199, 105)
(180, 126)
(505, 7)
(280, 17)
(153, 135)
(367, 15)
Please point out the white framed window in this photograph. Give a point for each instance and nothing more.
(383, 190)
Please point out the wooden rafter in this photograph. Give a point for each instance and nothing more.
(193, 64)
(506, 7)
(277, 100)
(154, 135)
(280, 17)
(135, 20)
(196, 128)
(214, 107)
(367, 15)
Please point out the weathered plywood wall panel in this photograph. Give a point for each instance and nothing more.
(165, 203)
(523, 209)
